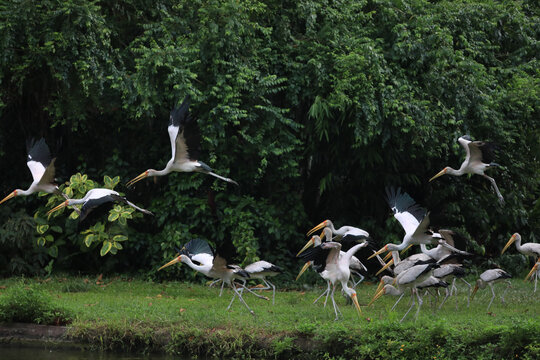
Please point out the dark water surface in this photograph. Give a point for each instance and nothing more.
(16, 352)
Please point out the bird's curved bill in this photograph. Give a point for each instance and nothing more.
(380, 286)
(309, 243)
(318, 227)
(385, 267)
(62, 205)
(387, 256)
(440, 173)
(512, 239)
(138, 178)
(304, 268)
(378, 252)
(377, 295)
(405, 250)
(12, 195)
(474, 292)
(172, 262)
(356, 304)
(534, 268)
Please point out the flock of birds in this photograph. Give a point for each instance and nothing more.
(332, 253)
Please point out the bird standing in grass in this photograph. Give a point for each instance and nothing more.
(489, 277)
(261, 270)
(184, 136)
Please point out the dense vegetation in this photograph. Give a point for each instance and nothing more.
(312, 106)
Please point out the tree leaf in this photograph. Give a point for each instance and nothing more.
(107, 246)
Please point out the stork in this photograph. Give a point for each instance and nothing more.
(261, 270)
(184, 136)
(41, 166)
(489, 277)
(343, 232)
(479, 158)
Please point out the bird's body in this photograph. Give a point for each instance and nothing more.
(215, 267)
(42, 168)
(344, 232)
(261, 270)
(527, 249)
(184, 137)
(478, 159)
(94, 198)
(489, 277)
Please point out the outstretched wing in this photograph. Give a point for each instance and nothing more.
(39, 157)
(197, 246)
(317, 255)
(48, 175)
(91, 204)
(406, 211)
(183, 133)
(482, 152)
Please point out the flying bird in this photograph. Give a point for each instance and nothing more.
(489, 277)
(342, 233)
(41, 166)
(184, 136)
(479, 158)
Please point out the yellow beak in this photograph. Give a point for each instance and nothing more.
(355, 301)
(405, 250)
(378, 252)
(380, 286)
(385, 267)
(320, 226)
(172, 262)
(440, 173)
(377, 295)
(387, 256)
(12, 195)
(138, 178)
(304, 268)
(62, 205)
(474, 292)
(534, 268)
(512, 239)
(309, 243)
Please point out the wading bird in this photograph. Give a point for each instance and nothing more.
(351, 232)
(95, 198)
(413, 219)
(445, 250)
(527, 249)
(452, 271)
(261, 270)
(489, 277)
(478, 159)
(184, 136)
(408, 281)
(42, 168)
(336, 268)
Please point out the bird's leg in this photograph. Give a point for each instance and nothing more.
(412, 300)
(493, 297)
(505, 290)
(328, 293)
(221, 291)
(320, 296)
(397, 302)
(273, 290)
(214, 282)
(420, 301)
(453, 287)
(240, 298)
(494, 184)
(448, 293)
(253, 292)
(535, 279)
(222, 178)
(359, 281)
(470, 288)
(334, 302)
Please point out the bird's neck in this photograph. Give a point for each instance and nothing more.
(395, 257)
(165, 171)
(391, 290)
(352, 251)
(21, 192)
(192, 265)
(452, 171)
(76, 201)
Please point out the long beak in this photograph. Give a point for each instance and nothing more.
(512, 239)
(12, 195)
(534, 268)
(172, 262)
(388, 256)
(355, 301)
(309, 243)
(62, 205)
(304, 268)
(320, 226)
(440, 173)
(378, 252)
(377, 295)
(404, 250)
(385, 267)
(138, 178)
(380, 286)
(474, 291)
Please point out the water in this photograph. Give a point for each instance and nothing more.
(16, 352)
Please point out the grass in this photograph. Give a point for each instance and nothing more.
(183, 318)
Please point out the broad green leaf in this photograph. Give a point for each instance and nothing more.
(57, 229)
(41, 241)
(107, 246)
(118, 245)
(120, 238)
(41, 229)
(53, 251)
(88, 239)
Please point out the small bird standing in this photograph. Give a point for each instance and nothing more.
(261, 270)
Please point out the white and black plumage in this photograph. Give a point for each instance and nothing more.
(345, 232)
(479, 157)
(452, 272)
(489, 277)
(95, 198)
(261, 270)
(184, 136)
(408, 262)
(445, 250)
(408, 281)
(199, 256)
(41, 166)
(413, 219)
(335, 268)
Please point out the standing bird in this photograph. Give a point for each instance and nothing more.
(343, 232)
(198, 255)
(536, 271)
(95, 198)
(489, 277)
(262, 270)
(479, 158)
(413, 219)
(528, 249)
(42, 168)
(184, 136)
(336, 268)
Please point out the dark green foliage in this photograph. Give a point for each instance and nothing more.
(312, 106)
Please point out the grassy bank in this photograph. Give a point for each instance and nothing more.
(180, 318)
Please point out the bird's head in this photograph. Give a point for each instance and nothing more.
(356, 304)
(147, 173)
(11, 195)
(325, 223)
(62, 205)
(383, 249)
(440, 173)
(390, 263)
(510, 242)
(177, 259)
